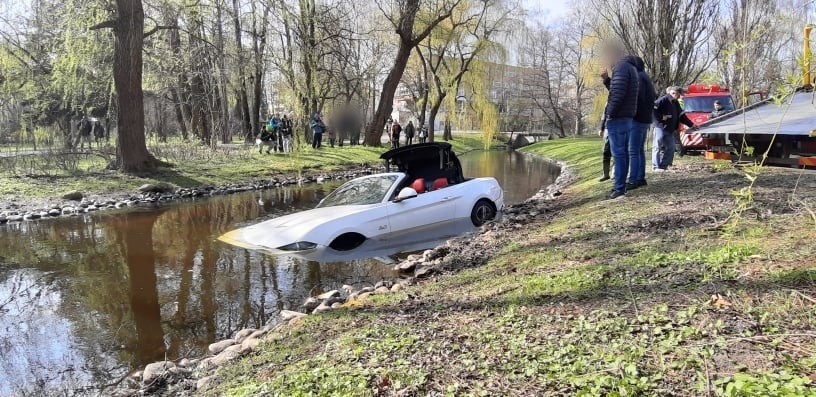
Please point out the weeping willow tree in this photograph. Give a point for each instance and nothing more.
(454, 50)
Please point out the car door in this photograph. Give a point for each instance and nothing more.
(423, 211)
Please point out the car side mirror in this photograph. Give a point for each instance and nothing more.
(405, 194)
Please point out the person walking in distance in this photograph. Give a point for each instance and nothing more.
(409, 133)
(640, 126)
(396, 129)
(667, 116)
(318, 128)
(423, 134)
(620, 110)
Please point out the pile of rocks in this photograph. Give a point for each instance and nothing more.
(75, 202)
(187, 375)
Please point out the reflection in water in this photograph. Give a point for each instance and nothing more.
(86, 299)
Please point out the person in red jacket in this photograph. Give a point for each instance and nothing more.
(396, 129)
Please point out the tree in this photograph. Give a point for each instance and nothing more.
(128, 32)
(403, 17)
(672, 36)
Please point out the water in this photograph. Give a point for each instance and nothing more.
(84, 300)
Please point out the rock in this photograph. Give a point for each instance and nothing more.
(366, 289)
(225, 356)
(287, 315)
(322, 308)
(382, 290)
(138, 375)
(3, 220)
(336, 305)
(328, 295)
(68, 210)
(187, 363)
(218, 347)
(243, 334)
(259, 333)
(14, 218)
(310, 304)
(154, 370)
(348, 288)
(205, 383)
(250, 344)
(73, 195)
(92, 208)
(424, 271)
(54, 212)
(363, 295)
(159, 187)
(396, 287)
(232, 349)
(33, 215)
(204, 365)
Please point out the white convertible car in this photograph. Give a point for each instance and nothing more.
(423, 189)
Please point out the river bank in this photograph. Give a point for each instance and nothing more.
(666, 292)
(25, 198)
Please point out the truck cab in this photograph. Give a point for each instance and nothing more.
(698, 103)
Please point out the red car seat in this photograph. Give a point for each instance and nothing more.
(440, 183)
(419, 185)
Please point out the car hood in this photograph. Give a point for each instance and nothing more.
(292, 228)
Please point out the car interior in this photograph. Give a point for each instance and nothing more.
(429, 167)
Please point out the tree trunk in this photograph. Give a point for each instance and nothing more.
(386, 105)
(243, 98)
(131, 149)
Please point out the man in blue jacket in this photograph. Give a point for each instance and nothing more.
(640, 126)
(667, 116)
(620, 110)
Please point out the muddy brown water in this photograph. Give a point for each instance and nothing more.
(84, 300)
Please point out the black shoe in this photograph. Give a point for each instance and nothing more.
(616, 194)
(632, 186)
(604, 178)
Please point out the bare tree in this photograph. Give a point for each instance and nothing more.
(672, 36)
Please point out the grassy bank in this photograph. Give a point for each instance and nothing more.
(48, 176)
(666, 292)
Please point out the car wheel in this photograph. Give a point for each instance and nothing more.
(483, 212)
(347, 241)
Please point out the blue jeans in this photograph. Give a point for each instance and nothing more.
(637, 157)
(619, 141)
(663, 141)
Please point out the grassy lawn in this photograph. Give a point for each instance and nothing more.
(669, 291)
(48, 176)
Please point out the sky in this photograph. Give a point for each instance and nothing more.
(546, 10)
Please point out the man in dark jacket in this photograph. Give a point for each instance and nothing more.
(409, 133)
(667, 116)
(620, 110)
(396, 129)
(640, 126)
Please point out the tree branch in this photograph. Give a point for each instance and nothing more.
(109, 24)
(158, 28)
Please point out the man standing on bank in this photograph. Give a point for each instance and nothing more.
(621, 108)
(667, 118)
(640, 126)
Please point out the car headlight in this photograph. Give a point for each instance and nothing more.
(298, 246)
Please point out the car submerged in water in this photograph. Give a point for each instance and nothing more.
(422, 191)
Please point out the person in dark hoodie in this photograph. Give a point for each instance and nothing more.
(621, 108)
(640, 125)
(667, 116)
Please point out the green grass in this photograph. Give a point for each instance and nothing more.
(191, 165)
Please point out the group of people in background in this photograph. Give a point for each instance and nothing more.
(276, 135)
(394, 128)
(633, 107)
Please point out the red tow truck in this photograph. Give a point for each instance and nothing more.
(698, 103)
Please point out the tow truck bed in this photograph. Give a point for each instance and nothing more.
(796, 116)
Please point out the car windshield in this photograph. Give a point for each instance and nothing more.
(705, 104)
(364, 191)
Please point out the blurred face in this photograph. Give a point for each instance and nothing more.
(674, 94)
